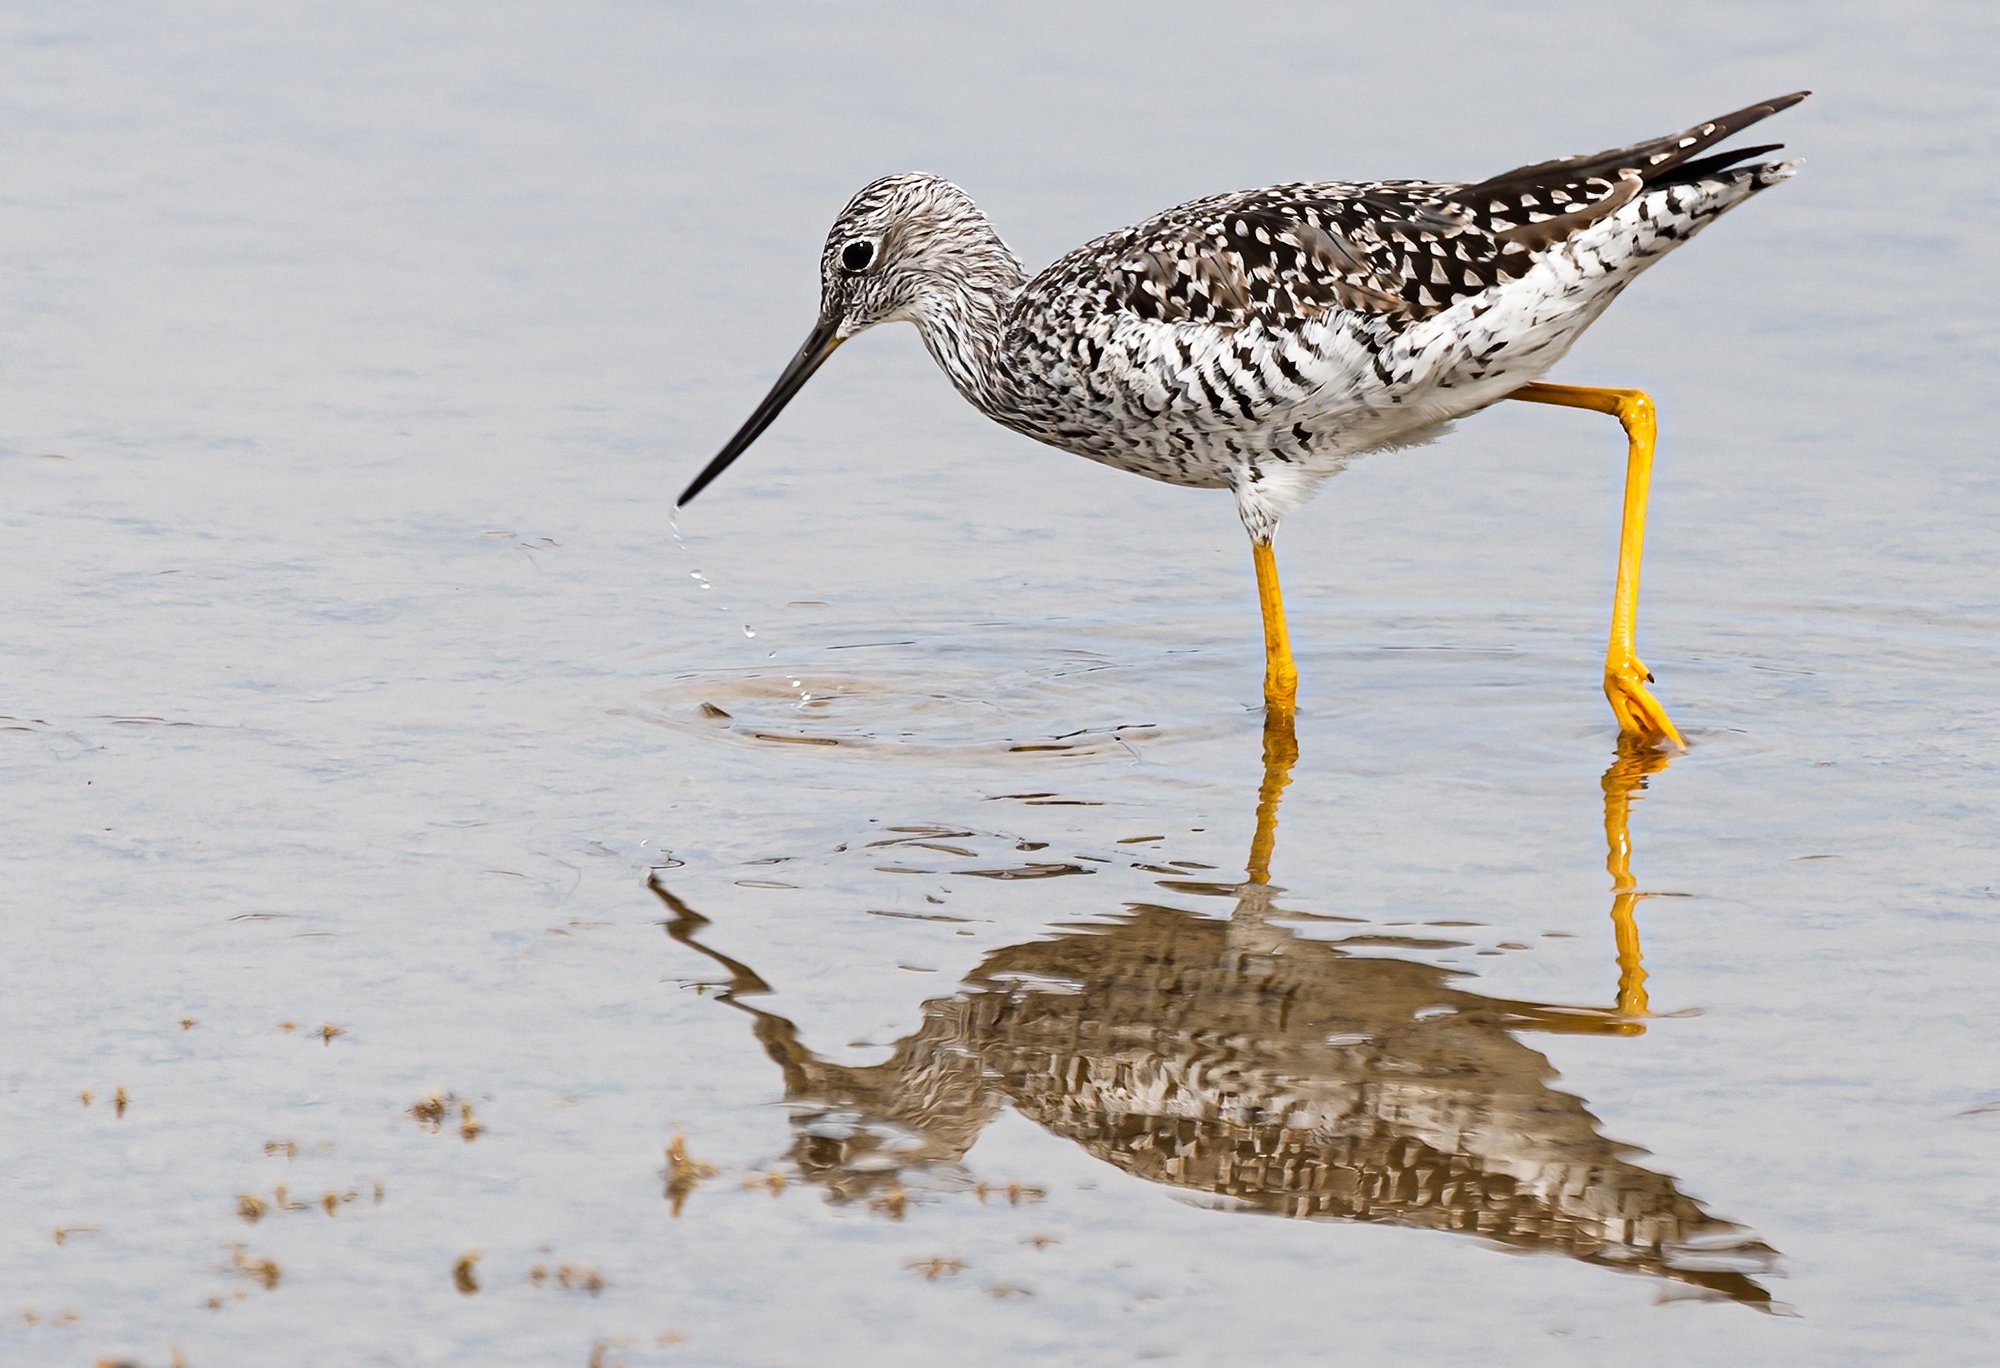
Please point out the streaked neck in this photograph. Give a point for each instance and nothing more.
(963, 321)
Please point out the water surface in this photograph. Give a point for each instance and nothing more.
(440, 932)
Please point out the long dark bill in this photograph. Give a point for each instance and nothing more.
(818, 346)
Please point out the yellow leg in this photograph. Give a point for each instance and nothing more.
(1281, 677)
(1625, 676)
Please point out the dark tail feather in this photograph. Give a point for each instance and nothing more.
(1702, 167)
(1660, 159)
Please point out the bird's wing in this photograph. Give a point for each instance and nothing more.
(1400, 251)
(1393, 251)
(1278, 259)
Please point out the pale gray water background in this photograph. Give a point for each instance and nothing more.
(351, 361)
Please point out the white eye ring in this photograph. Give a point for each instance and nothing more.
(857, 256)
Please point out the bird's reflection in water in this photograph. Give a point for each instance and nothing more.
(1267, 1071)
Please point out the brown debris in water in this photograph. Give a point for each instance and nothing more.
(569, 1277)
(683, 1172)
(253, 1208)
(462, 1273)
(255, 1268)
(1016, 1193)
(429, 1111)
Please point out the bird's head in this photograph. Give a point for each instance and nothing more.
(907, 248)
(898, 240)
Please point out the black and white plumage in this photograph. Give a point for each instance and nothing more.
(1261, 340)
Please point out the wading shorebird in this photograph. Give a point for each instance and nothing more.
(1262, 340)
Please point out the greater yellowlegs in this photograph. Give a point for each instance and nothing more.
(1262, 340)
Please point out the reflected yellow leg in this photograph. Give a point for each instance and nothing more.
(1626, 777)
(1281, 752)
(1631, 972)
(1281, 677)
(1637, 758)
(1625, 677)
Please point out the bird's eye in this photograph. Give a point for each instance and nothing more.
(856, 255)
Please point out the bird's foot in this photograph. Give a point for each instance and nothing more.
(1639, 713)
(1281, 693)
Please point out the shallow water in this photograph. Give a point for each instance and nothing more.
(407, 847)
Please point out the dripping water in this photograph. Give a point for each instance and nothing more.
(705, 585)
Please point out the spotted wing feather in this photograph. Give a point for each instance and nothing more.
(1272, 262)
(1399, 251)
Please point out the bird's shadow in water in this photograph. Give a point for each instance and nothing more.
(1236, 1059)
